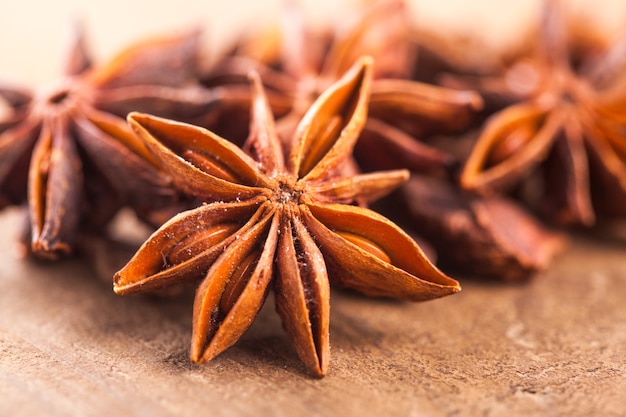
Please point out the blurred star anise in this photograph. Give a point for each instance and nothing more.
(400, 110)
(487, 237)
(70, 154)
(276, 220)
(567, 124)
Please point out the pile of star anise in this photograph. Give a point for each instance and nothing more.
(267, 168)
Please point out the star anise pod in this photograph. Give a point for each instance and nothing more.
(566, 123)
(285, 222)
(488, 237)
(68, 151)
(400, 110)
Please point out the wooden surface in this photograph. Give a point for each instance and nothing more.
(555, 346)
(70, 347)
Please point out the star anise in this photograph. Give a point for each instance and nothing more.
(400, 110)
(566, 123)
(77, 158)
(271, 220)
(488, 237)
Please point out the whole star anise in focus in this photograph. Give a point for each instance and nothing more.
(566, 124)
(400, 110)
(270, 220)
(68, 151)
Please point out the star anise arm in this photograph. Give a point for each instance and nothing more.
(615, 112)
(383, 146)
(77, 58)
(567, 195)
(119, 131)
(607, 142)
(10, 120)
(199, 162)
(229, 81)
(14, 143)
(234, 70)
(230, 117)
(295, 49)
(55, 190)
(367, 252)
(186, 246)
(119, 158)
(489, 236)
(303, 294)
(330, 128)
(137, 180)
(607, 156)
(366, 188)
(157, 76)
(553, 43)
(446, 109)
(181, 103)
(382, 31)
(494, 89)
(14, 96)
(263, 143)
(167, 61)
(512, 142)
(611, 104)
(234, 289)
(607, 73)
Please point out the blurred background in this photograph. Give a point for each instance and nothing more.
(32, 32)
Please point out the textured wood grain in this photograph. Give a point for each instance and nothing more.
(555, 346)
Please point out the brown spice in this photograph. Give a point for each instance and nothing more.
(400, 110)
(271, 220)
(76, 156)
(567, 121)
(484, 237)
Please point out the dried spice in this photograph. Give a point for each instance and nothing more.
(488, 237)
(400, 110)
(566, 125)
(280, 222)
(78, 160)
